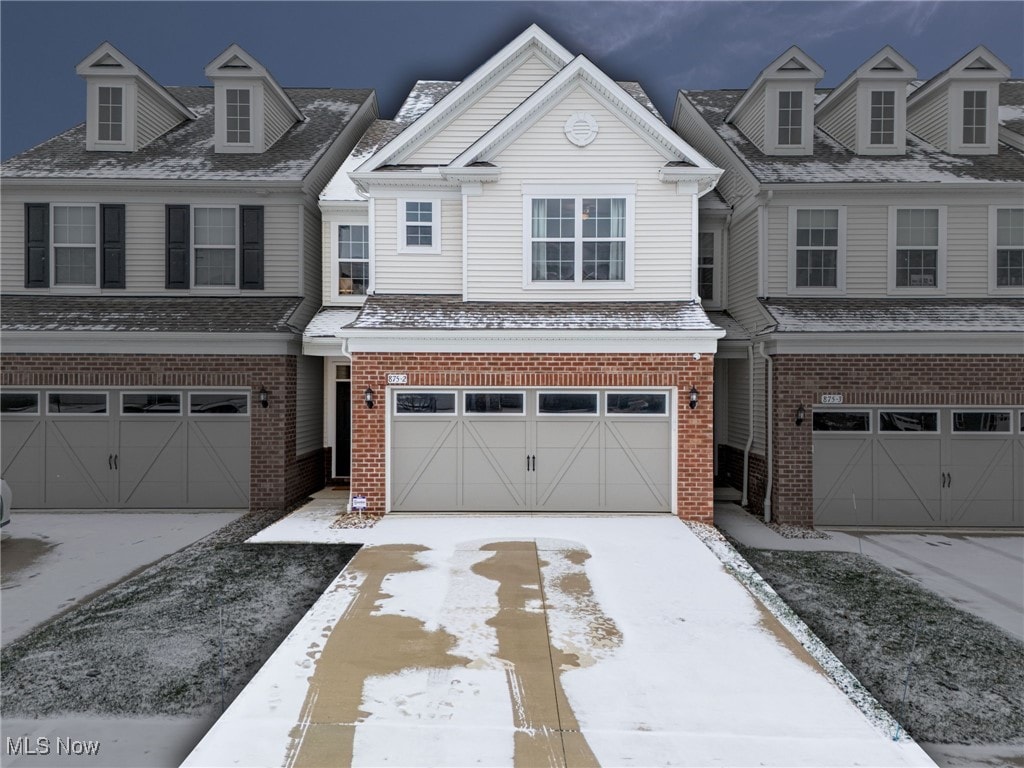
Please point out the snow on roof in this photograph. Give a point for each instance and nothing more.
(832, 162)
(187, 151)
(946, 315)
(1011, 105)
(341, 188)
(424, 95)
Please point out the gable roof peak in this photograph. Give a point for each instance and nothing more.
(235, 61)
(791, 64)
(886, 65)
(977, 64)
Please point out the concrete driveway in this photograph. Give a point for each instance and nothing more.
(540, 641)
(979, 573)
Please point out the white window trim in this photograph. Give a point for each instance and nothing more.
(864, 145)
(54, 287)
(771, 119)
(252, 117)
(124, 115)
(716, 279)
(956, 121)
(334, 224)
(818, 290)
(435, 225)
(940, 261)
(532, 191)
(993, 247)
(256, 116)
(39, 402)
(128, 109)
(221, 289)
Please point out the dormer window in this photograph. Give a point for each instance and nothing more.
(790, 118)
(110, 117)
(239, 116)
(883, 118)
(975, 117)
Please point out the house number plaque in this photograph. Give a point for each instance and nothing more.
(398, 378)
(831, 399)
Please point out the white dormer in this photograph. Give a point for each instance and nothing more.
(867, 112)
(958, 109)
(251, 111)
(125, 108)
(777, 111)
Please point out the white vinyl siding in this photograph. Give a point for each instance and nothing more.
(543, 156)
(742, 271)
(501, 99)
(154, 117)
(417, 272)
(751, 120)
(930, 120)
(739, 404)
(309, 398)
(966, 236)
(867, 244)
(277, 118)
(735, 183)
(840, 122)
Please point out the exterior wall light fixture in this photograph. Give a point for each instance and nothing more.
(693, 398)
(799, 415)
(264, 398)
(368, 397)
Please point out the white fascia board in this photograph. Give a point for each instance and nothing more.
(473, 175)
(515, 340)
(581, 71)
(453, 100)
(740, 166)
(814, 71)
(213, 71)
(704, 179)
(247, 187)
(884, 343)
(149, 343)
(426, 178)
(370, 105)
(342, 207)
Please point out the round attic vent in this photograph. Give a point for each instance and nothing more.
(581, 128)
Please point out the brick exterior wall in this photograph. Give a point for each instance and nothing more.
(694, 492)
(905, 380)
(277, 477)
(730, 472)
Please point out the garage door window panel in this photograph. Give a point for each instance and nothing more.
(425, 403)
(841, 421)
(151, 403)
(495, 403)
(981, 421)
(19, 403)
(636, 404)
(908, 421)
(567, 403)
(76, 403)
(218, 403)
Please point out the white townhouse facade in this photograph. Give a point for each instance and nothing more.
(873, 374)
(511, 318)
(159, 262)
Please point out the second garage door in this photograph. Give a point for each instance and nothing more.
(531, 450)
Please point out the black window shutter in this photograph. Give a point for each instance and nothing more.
(252, 246)
(177, 246)
(37, 245)
(113, 245)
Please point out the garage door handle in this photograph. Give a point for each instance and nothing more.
(110, 461)
(534, 459)
(949, 479)
(115, 461)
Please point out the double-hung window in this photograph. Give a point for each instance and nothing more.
(1007, 232)
(578, 239)
(75, 249)
(883, 119)
(110, 117)
(215, 239)
(706, 267)
(791, 118)
(817, 250)
(419, 226)
(975, 117)
(238, 125)
(353, 259)
(917, 248)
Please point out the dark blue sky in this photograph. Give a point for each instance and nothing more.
(388, 45)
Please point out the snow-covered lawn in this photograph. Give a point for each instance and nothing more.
(663, 656)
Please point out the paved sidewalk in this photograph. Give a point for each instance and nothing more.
(979, 573)
(534, 640)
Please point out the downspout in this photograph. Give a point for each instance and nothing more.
(750, 423)
(768, 446)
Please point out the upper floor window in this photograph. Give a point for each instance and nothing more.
(215, 246)
(418, 225)
(1009, 248)
(110, 117)
(790, 117)
(239, 116)
(816, 250)
(353, 259)
(917, 248)
(883, 118)
(574, 239)
(975, 117)
(75, 250)
(706, 267)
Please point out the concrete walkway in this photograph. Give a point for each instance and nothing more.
(539, 641)
(979, 573)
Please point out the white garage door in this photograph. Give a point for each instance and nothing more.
(126, 449)
(531, 450)
(919, 467)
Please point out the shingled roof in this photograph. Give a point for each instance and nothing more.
(187, 151)
(832, 162)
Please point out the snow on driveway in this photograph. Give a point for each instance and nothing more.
(518, 640)
(51, 560)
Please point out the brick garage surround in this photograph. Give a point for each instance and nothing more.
(694, 491)
(277, 477)
(902, 380)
